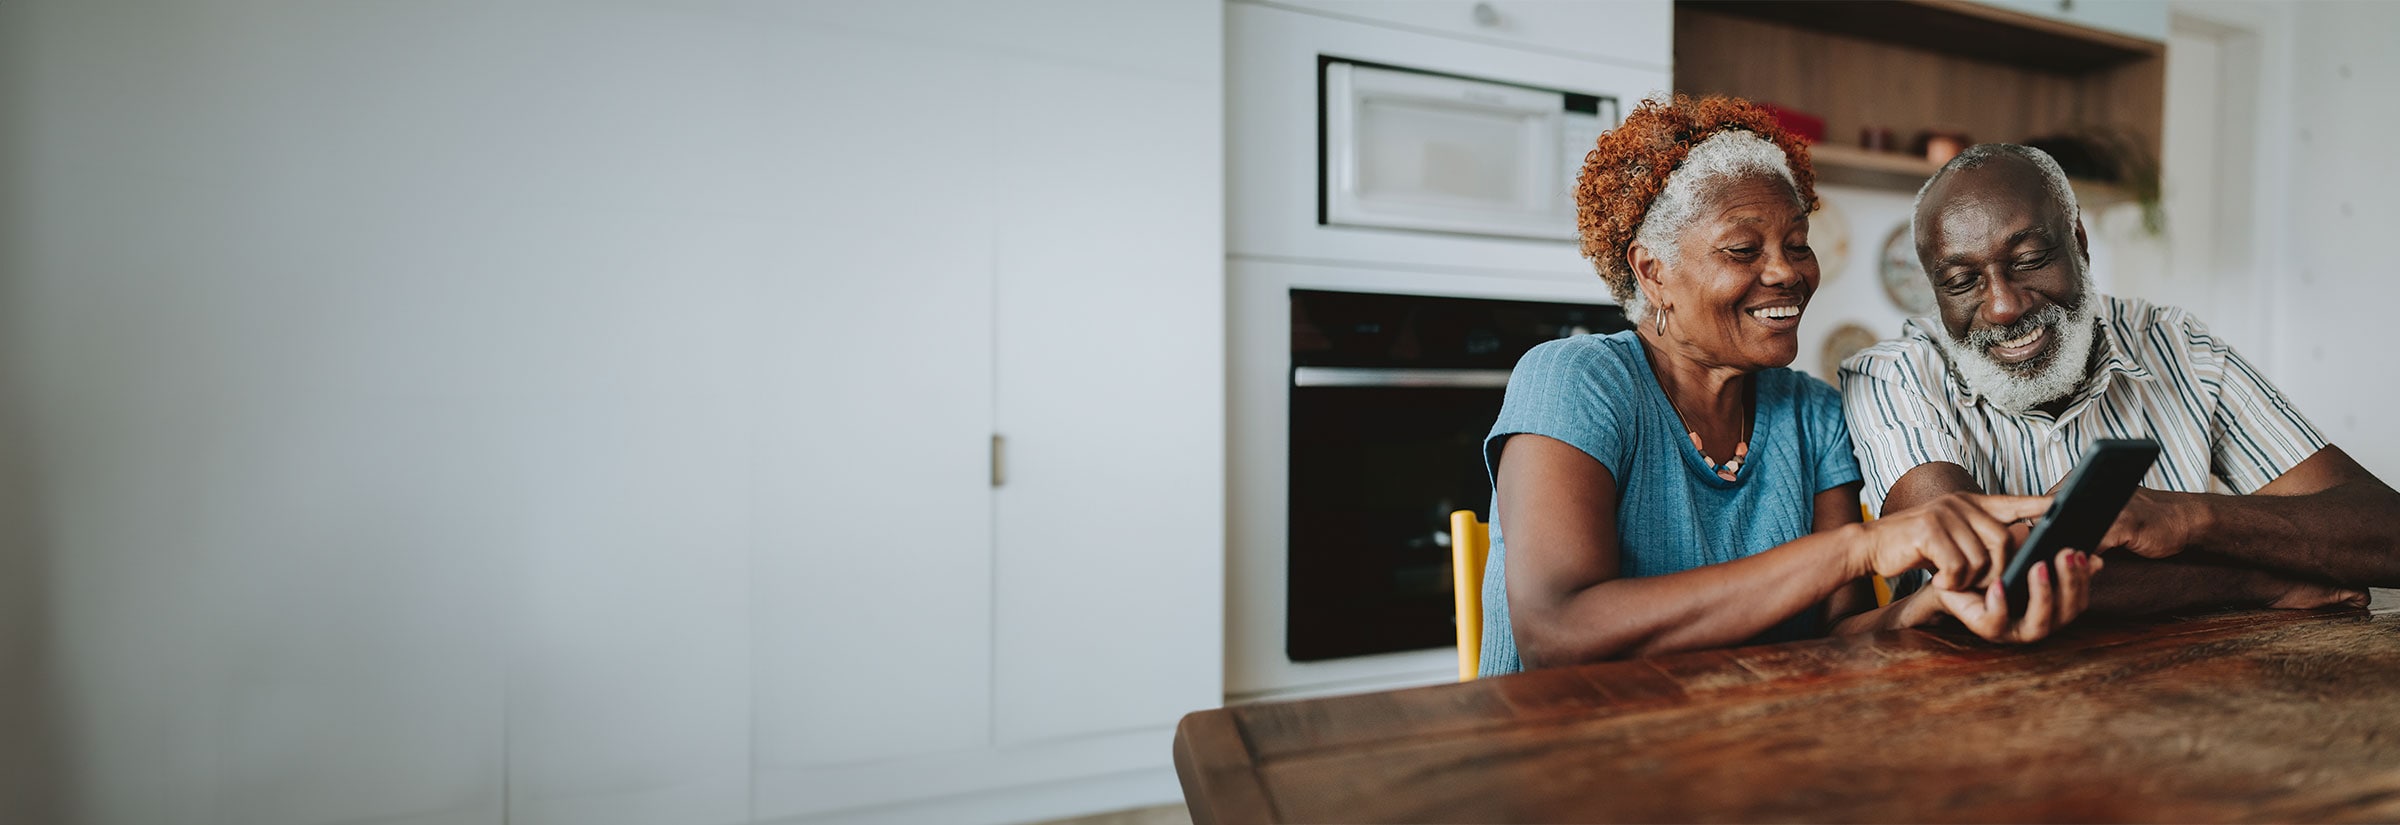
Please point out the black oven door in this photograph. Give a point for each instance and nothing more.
(1391, 396)
(1376, 471)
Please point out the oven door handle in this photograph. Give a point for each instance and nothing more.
(1397, 377)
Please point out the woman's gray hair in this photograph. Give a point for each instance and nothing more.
(1729, 154)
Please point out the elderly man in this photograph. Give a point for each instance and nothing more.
(2027, 364)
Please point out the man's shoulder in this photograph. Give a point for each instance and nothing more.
(2159, 335)
(2143, 316)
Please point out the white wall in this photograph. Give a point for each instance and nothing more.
(1850, 286)
(2335, 311)
(2277, 176)
(430, 412)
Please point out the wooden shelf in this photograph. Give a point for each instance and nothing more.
(1847, 166)
(1955, 27)
(1858, 167)
(1911, 65)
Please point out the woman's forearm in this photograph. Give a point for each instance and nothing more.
(1713, 606)
(1906, 611)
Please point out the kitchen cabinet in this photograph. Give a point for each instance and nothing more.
(873, 515)
(1011, 629)
(1617, 31)
(571, 413)
(1108, 543)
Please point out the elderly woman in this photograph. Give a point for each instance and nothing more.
(1676, 487)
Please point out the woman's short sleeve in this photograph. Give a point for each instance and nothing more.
(1828, 435)
(1575, 390)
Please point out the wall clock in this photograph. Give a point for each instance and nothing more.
(1904, 278)
(1845, 341)
(1829, 236)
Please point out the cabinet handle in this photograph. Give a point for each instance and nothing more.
(1397, 377)
(1486, 16)
(999, 448)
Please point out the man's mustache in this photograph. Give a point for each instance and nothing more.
(1985, 339)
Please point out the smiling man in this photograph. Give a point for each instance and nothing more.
(2027, 364)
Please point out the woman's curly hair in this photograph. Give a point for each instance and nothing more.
(1625, 173)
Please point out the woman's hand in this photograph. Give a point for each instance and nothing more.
(2055, 600)
(1961, 536)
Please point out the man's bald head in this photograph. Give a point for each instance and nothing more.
(1997, 233)
(2014, 164)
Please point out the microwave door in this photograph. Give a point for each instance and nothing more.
(1579, 131)
(1408, 150)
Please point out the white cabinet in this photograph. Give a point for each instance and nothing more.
(872, 505)
(566, 413)
(1110, 545)
(2146, 19)
(1631, 32)
(1038, 256)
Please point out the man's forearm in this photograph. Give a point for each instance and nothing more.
(2135, 586)
(2348, 535)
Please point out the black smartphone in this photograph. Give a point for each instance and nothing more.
(2082, 511)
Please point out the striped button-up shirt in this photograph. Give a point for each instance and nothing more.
(2160, 375)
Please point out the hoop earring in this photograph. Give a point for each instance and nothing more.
(1660, 327)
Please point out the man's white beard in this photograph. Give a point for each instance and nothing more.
(2016, 392)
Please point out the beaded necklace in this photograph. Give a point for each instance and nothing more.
(1741, 449)
(1729, 469)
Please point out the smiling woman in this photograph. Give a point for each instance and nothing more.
(1677, 486)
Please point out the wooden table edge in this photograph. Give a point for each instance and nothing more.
(1213, 762)
(1218, 764)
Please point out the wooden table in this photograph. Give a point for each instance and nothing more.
(2249, 715)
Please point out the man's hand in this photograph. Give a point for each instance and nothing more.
(2324, 520)
(2055, 601)
(2294, 595)
(2155, 525)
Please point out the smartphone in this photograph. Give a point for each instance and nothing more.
(2082, 511)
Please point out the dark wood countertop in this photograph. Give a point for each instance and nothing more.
(2248, 715)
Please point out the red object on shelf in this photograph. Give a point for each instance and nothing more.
(1798, 122)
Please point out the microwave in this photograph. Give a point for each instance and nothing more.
(1426, 151)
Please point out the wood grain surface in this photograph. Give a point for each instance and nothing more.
(1854, 82)
(2241, 716)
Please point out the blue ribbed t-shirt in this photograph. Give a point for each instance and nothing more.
(1674, 513)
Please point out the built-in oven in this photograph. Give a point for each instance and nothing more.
(1391, 396)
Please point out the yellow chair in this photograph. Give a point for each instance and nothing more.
(1883, 589)
(1470, 546)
